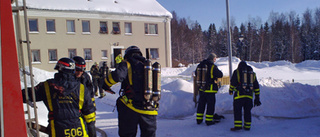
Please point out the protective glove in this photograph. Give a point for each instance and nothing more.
(257, 101)
(109, 90)
(230, 91)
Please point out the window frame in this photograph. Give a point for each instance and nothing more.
(74, 27)
(50, 55)
(70, 51)
(101, 31)
(85, 53)
(54, 26)
(114, 25)
(147, 28)
(37, 25)
(152, 55)
(130, 28)
(85, 27)
(104, 54)
(39, 56)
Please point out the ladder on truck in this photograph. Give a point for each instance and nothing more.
(31, 121)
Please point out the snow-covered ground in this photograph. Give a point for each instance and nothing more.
(288, 108)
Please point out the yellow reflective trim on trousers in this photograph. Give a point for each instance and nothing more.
(248, 123)
(83, 128)
(247, 126)
(200, 118)
(237, 125)
(129, 72)
(238, 122)
(81, 96)
(90, 117)
(199, 114)
(146, 112)
(209, 119)
(47, 90)
(212, 71)
(209, 116)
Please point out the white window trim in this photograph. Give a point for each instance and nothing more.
(53, 62)
(37, 62)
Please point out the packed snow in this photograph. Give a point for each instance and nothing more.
(290, 96)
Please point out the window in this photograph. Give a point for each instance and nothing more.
(128, 27)
(104, 54)
(87, 54)
(86, 26)
(72, 53)
(33, 25)
(154, 53)
(103, 27)
(151, 28)
(52, 54)
(35, 55)
(70, 26)
(116, 27)
(51, 25)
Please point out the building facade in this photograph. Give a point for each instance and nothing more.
(97, 36)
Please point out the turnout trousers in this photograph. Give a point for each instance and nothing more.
(246, 104)
(128, 121)
(209, 100)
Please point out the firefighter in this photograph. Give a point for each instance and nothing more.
(67, 100)
(131, 105)
(104, 70)
(208, 91)
(84, 79)
(94, 71)
(243, 84)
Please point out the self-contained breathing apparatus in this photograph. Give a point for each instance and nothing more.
(247, 79)
(201, 75)
(152, 83)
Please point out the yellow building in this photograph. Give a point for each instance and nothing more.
(97, 30)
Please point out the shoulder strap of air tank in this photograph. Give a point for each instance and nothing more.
(129, 72)
(212, 71)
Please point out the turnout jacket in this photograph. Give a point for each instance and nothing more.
(86, 81)
(236, 85)
(67, 102)
(130, 73)
(213, 73)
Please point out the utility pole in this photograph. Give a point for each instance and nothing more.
(229, 40)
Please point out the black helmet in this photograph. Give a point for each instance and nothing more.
(131, 50)
(80, 63)
(242, 65)
(65, 65)
(104, 64)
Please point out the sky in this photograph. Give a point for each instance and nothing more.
(288, 109)
(207, 12)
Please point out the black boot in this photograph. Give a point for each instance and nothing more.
(209, 123)
(235, 128)
(199, 121)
